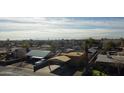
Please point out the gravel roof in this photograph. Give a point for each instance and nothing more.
(114, 59)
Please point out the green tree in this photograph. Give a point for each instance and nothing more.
(90, 42)
(110, 45)
(25, 44)
(121, 42)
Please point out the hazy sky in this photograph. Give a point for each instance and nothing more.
(60, 27)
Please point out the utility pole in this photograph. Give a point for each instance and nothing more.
(86, 59)
(86, 52)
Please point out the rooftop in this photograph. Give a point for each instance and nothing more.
(38, 53)
(61, 58)
(72, 54)
(114, 59)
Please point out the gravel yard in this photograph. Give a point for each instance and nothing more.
(24, 69)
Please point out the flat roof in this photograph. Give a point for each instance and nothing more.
(3, 51)
(114, 59)
(61, 58)
(72, 54)
(38, 53)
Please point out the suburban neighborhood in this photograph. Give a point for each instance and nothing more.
(61, 46)
(87, 57)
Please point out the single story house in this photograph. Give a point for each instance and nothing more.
(36, 55)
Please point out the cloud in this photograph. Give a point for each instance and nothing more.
(53, 34)
(60, 27)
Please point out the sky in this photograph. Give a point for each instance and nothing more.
(44, 28)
